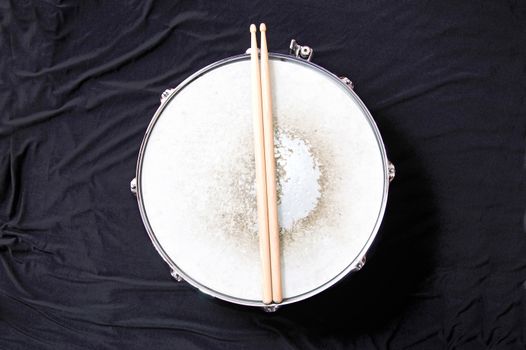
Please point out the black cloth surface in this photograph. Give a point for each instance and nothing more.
(80, 81)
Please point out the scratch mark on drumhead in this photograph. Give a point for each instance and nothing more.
(302, 188)
(299, 179)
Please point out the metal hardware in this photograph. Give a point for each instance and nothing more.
(361, 263)
(270, 308)
(165, 94)
(391, 170)
(176, 276)
(133, 186)
(347, 82)
(299, 51)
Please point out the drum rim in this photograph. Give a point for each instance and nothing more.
(353, 266)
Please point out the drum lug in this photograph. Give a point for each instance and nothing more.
(176, 276)
(299, 51)
(347, 82)
(360, 264)
(391, 170)
(133, 186)
(165, 94)
(270, 308)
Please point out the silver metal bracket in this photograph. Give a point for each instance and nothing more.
(361, 263)
(270, 308)
(176, 276)
(165, 94)
(299, 51)
(133, 186)
(347, 82)
(391, 170)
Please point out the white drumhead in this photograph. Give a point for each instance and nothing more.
(196, 179)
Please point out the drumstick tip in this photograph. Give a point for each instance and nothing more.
(253, 28)
(262, 27)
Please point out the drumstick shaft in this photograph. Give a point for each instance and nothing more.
(270, 163)
(261, 186)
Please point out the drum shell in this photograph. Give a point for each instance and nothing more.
(356, 264)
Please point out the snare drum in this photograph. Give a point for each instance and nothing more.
(195, 180)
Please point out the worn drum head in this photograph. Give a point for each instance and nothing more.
(196, 180)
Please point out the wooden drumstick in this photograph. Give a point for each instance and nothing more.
(261, 186)
(270, 162)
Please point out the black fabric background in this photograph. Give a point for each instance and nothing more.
(79, 82)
